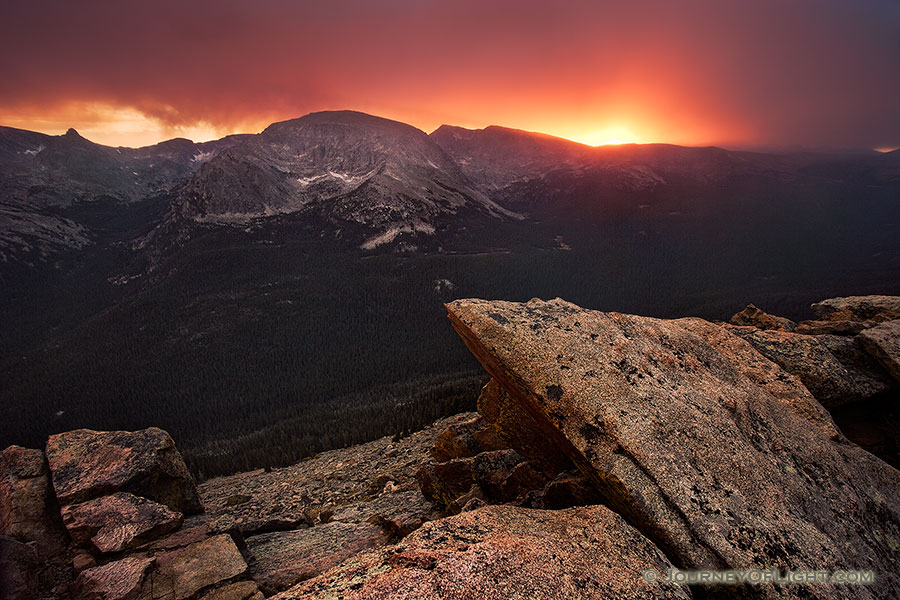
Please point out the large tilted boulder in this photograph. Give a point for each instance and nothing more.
(28, 510)
(710, 449)
(87, 464)
(502, 552)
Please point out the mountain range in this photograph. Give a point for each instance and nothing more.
(384, 181)
(291, 282)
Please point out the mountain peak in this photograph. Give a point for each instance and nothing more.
(349, 167)
(349, 118)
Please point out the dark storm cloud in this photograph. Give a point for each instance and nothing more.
(766, 72)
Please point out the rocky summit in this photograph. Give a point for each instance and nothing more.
(353, 169)
(608, 451)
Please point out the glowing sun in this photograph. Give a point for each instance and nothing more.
(608, 136)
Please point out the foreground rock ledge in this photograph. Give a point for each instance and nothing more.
(87, 464)
(502, 552)
(710, 449)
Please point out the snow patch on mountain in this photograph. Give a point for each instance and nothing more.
(390, 234)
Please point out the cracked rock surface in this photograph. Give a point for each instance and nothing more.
(713, 451)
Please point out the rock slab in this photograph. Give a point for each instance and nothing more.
(124, 579)
(502, 553)
(211, 564)
(283, 559)
(858, 308)
(833, 368)
(710, 449)
(185, 572)
(119, 521)
(883, 342)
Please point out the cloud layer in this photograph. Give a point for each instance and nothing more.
(814, 73)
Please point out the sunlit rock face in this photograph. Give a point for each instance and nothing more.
(713, 451)
(500, 552)
(345, 166)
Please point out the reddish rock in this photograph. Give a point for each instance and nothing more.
(832, 381)
(282, 559)
(883, 342)
(472, 504)
(182, 573)
(187, 535)
(466, 439)
(522, 479)
(858, 308)
(119, 521)
(88, 464)
(833, 327)
(503, 552)
(710, 449)
(83, 561)
(474, 498)
(755, 317)
(241, 590)
(407, 510)
(867, 376)
(28, 510)
(126, 579)
(445, 482)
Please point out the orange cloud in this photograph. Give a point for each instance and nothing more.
(768, 72)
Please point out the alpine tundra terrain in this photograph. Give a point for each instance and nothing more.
(609, 451)
(264, 297)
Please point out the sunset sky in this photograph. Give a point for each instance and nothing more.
(754, 73)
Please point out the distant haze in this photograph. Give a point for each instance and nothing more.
(760, 73)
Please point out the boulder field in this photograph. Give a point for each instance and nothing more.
(608, 451)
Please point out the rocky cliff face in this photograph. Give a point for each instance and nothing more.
(351, 168)
(44, 176)
(607, 447)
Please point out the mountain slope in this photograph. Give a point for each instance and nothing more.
(349, 168)
(497, 157)
(494, 157)
(46, 180)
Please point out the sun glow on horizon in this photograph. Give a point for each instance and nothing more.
(610, 135)
(112, 125)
